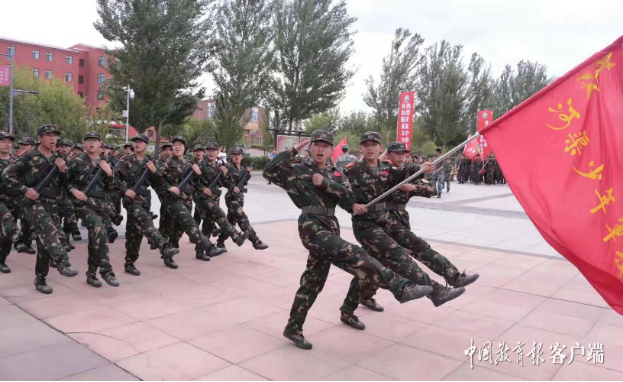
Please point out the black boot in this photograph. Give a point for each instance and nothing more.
(117, 220)
(372, 304)
(42, 286)
(23, 248)
(131, 269)
(76, 236)
(352, 321)
(112, 235)
(241, 238)
(67, 270)
(170, 263)
(71, 246)
(298, 339)
(110, 278)
(154, 216)
(414, 291)
(4, 268)
(201, 255)
(93, 281)
(442, 295)
(464, 280)
(216, 251)
(259, 245)
(153, 245)
(169, 251)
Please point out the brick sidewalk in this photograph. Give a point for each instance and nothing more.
(223, 320)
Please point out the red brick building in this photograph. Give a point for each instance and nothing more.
(253, 134)
(83, 67)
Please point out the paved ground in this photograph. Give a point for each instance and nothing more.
(223, 320)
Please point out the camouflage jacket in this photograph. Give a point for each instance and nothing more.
(345, 159)
(398, 219)
(5, 193)
(368, 183)
(295, 177)
(30, 169)
(128, 171)
(447, 170)
(209, 172)
(80, 171)
(172, 171)
(234, 175)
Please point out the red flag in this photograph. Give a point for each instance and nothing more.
(337, 150)
(405, 118)
(561, 155)
(471, 149)
(5, 75)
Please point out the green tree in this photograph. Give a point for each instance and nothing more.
(313, 45)
(479, 92)
(165, 47)
(329, 120)
(442, 93)
(515, 86)
(357, 123)
(399, 73)
(55, 103)
(244, 62)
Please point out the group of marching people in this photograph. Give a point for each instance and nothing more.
(477, 172)
(54, 180)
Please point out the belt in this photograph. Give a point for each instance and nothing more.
(318, 211)
(396, 206)
(379, 207)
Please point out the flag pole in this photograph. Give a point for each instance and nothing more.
(410, 178)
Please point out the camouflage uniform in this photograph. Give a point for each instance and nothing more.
(178, 207)
(344, 159)
(139, 223)
(208, 206)
(476, 178)
(447, 174)
(28, 234)
(42, 214)
(464, 170)
(95, 212)
(319, 232)
(197, 212)
(68, 214)
(235, 203)
(437, 178)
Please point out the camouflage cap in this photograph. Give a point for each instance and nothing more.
(236, 150)
(4, 134)
(115, 147)
(344, 147)
(197, 147)
(45, 129)
(78, 146)
(141, 137)
(166, 144)
(127, 145)
(371, 136)
(322, 136)
(26, 141)
(397, 147)
(212, 145)
(92, 134)
(64, 142)
(180, 139)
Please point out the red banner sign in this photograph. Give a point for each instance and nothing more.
(405, 118)
(472, 149)
(485, 117)
(5, 75)
(560, 151)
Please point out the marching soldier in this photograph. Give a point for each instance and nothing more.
(68, 215)
(9, 208)
(198, 156)
(165, 152)
(369, 178)
(137, 204)
(127, 148)
(178, 201)
(25, 145)
(77, 150)
(209, 196)
(89, 170)
(345, 158)
(447, 172)
(40, 207)
(399, 229)
(316, 190)
(234, 200)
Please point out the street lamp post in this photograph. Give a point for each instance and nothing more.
(127, 113)
(10, 56)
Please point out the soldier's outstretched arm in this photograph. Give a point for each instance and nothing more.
(279, 169)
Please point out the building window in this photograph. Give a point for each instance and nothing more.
(100, 95)
(69, 60)
(150, 133)
(48, 74)
(81, 63)
(101, 77)
(254, 113)
(101, 61)
(49, 56)
(10, 50)
(80, 79)
(80, 94)
(211, 108)
(35, 71)
(68, 77)
(35, 54)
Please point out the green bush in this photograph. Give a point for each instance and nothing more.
(259, 164)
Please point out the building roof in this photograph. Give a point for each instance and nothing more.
(38, 45)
